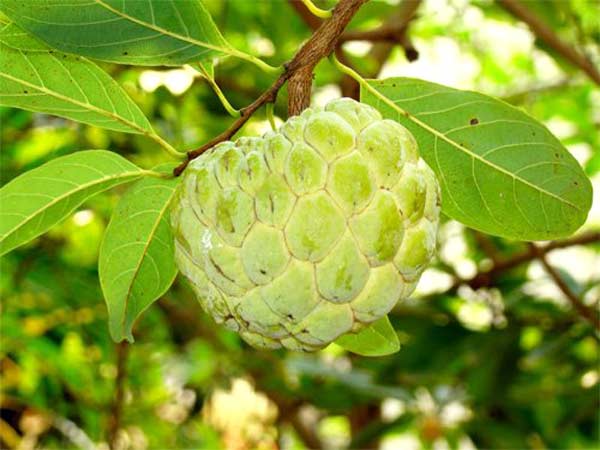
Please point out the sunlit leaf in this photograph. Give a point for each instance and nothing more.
(378, 339)
(17, 38)
(149, 33)
(36, 78)
(33, 202)
(501, 171)
(137, 261)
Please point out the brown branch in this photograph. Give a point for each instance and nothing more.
(348, 85)
(319, 46)
(546, 34)
(391, 31)
(394, 28)
(116, 411)
(484, 279)
(584, 311)
(298, 72)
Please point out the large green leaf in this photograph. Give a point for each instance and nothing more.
(137, 262)
(35, 78)
(140, 32)
(378, 339)
(17, 38)
(33, 202)
(501, 171)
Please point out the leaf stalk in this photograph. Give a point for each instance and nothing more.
(315, 10)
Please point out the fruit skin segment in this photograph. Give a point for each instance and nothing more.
(310, 232)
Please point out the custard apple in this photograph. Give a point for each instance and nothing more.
(310, 232)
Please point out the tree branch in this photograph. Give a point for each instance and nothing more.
(298, 73)
(584, 311)
(348, 85)
(319, 46)
(394, 28)
(116, 411)
(546, 34)
(487, 278)
(399, 21)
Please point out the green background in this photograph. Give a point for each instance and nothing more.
(512, 366)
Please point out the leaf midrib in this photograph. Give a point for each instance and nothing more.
(141, 259)
(465, 150)
(61, 197)
(154, 27)
(85, 105)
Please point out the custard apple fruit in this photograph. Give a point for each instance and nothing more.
(305, 234)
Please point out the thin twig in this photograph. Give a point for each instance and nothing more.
(399, 20)
(487, 278)
(117, 407)
(584, 311)
(268, 96)
(298, 74)
(546, 34)
(391, 31)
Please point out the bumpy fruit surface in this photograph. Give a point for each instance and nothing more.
(310, 232)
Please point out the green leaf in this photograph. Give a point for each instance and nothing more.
(15, 37)
(206, 68)
(146, 33)
(137, 262)
(42, 80)
(501, 171)
(378, 339)
(42, 197)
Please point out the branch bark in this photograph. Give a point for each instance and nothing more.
(546, 34)
(484, 279)
(319, 46)
(298, 74)
(394, 29)
(116, 411)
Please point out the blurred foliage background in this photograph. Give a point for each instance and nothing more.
(494, 354)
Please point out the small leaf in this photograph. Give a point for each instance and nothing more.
(137, 262)
(38, 79)
(378, 339)
(501, 171)
(42, 197)
(145, 33)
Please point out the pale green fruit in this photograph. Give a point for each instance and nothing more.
(303, 235)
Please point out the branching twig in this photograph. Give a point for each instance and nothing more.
(399, 20)
(394, 28)
(546, 34)
(117, 407)
(584, 311)
(319, 46)
(348, 85)
(298, 74)
(391, 31)
(486, 278)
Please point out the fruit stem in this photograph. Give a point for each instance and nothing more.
(269, 110)
(315, 10)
